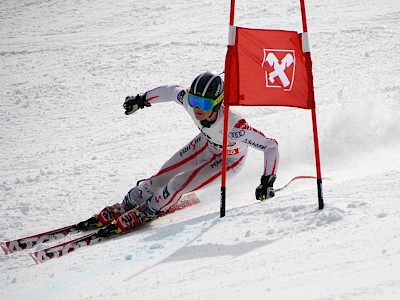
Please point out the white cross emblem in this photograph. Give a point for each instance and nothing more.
(282, 69)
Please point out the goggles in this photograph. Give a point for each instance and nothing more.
(205, 104)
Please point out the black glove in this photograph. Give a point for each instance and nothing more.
(133, 103)
(266, 190)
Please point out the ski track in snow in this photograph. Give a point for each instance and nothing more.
(67, 150)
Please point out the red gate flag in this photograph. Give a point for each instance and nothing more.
(267, 67)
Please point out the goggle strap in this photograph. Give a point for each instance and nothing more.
(219, 99)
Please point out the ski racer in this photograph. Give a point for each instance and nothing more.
(197, 164)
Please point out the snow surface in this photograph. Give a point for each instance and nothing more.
(67, 150)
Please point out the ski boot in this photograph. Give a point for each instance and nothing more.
(109, 230)
(148, 213)
(105, 217)
(130, 220)
(91, 223)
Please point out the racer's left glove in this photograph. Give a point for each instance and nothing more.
(266, 189)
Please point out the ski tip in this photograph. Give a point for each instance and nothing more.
(192, 197)
(4, 247)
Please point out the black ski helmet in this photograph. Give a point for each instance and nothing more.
(208, 85)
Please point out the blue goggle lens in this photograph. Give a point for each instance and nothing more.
(205, 104)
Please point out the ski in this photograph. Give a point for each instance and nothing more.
(29, 242)
(33, 240)
(93, 238)
(65, 248)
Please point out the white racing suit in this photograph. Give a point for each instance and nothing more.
(198, 163)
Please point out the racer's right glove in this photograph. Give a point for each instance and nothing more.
(133, 103)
